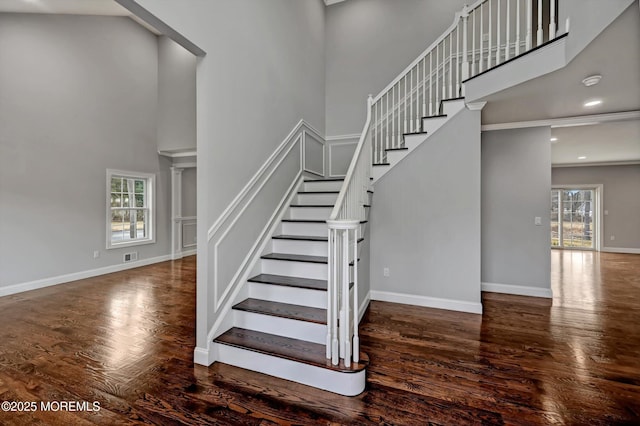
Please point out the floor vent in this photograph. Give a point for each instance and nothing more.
(130, 257)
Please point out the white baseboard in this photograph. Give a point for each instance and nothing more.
(61, 279)
(621, 250)
(518, 290)
(428, 302)
(202, 356)
(184, 253)
(363, 307)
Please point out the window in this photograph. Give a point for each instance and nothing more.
(130, 208)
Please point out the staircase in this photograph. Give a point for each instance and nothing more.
(281, 327)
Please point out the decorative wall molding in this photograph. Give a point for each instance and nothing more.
(429, 302)
(62, 279)
(308, 137)
(334, 145)
(597, 164)
(581, 120)
(518, 290)
(338, 138)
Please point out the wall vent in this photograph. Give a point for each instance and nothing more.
(130, 257)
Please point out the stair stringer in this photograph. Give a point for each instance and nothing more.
(431, 126)
(226, 317)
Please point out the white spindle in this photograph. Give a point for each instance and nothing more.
(419, 84)
(411, 101)
(394, 140)
(450, 65)
(465, 47)
(508, 32)
(356, 338)
(540, 30)
(498, 48)
(430, 82)
(490, 35)
(330, 313)
(517, 27)
(375, 133)
(387, 125)
(529, 24)
(480, 62)
(335, 344)
(552, 20)
(457, 85)
(424, 87)
(473, 43)
(405, 104)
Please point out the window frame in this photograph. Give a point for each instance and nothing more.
(150, 179)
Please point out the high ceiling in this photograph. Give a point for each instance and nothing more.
(68, 7)
(614, 54)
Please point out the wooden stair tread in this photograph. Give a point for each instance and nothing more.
(309, 237)
(288, 281)
(313, 221)
(325, 180)
(283, 310)
(295, 257)
(311, 205)
(287, 348)
(318, 192)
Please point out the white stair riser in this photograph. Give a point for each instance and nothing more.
(452, 107)
(430, 125)
(393, 157)
(312, 213)
(291, 295)
(318, 198)
(311, 248)
(348, 384)
(379, 171)
(317, 271)
(330, 185)
(302, 330)
(304, 228)
(413, 141)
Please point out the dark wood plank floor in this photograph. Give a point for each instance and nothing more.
(126, 341)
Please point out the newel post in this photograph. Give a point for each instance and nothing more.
(465, 47)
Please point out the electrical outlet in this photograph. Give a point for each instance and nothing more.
(96, 254)
(385, 272)
(538, 221)
(613, 237)
(606, 212)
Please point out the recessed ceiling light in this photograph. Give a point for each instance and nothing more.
(592, 80)
(593, 103)
(554, 139)
(582, 157)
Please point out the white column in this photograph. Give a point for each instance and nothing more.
(465, 47)
(176, 212)
(552, 20)
(540, 30)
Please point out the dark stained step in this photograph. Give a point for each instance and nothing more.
(433, 116)
(397, 149)
(307, 237)
(287, 348)
(318, 192)
(311, 205)
(283, 310)
(381, 164)
(312, 221)
(287, 281)
(324, 180)
(295, 257)
(414, 133)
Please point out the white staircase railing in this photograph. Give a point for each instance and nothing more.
(479, 39)
(344, 225)
(482, 36)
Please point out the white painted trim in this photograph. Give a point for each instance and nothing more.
(304, 153)
(594, 164)
(237, 217)
(248, 264)
(342, 137)
(201, 356)
(426, 301)
(330, 2)
(185, 165)
(330, 155)
(476, 106)
(179, 154)
(61, 279)
(289, 140)
(184, 253)
(621, 250)
(565, 121)
(518, 290)
(364, 306)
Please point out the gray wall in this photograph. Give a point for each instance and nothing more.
(516, 185)
(176, 97)
(78, 96)
(425, 219)
(263, 72)
(338, 156)
(189, 192)
(621, 190)
(369, 42)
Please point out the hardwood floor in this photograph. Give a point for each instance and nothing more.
(126, 340)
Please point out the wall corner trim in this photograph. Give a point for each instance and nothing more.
(517, 290)
(426, 301)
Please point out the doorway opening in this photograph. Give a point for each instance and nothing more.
(575, 217)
